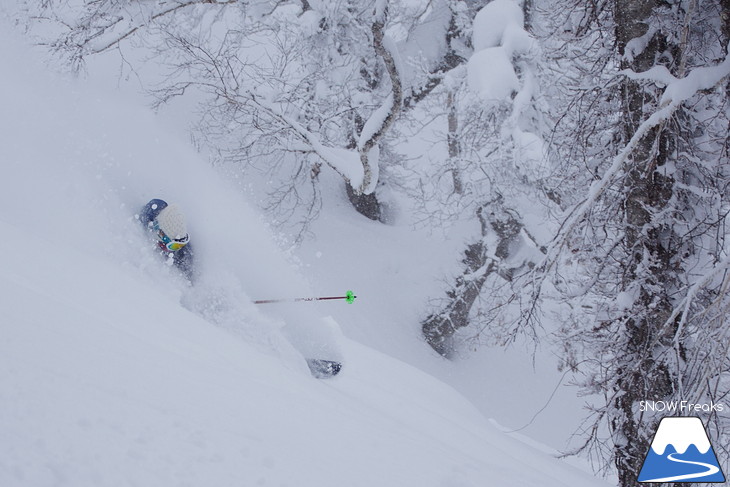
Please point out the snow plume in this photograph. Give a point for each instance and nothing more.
(108, 379)
(83, 185)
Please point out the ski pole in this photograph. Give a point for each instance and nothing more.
(349, 297)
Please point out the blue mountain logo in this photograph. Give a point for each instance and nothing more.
(681, 452)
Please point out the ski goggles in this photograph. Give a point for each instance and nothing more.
(171, 244)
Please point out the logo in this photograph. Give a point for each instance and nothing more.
(681, 452)
(683, 407)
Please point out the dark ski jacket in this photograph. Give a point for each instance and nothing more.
(183, 259)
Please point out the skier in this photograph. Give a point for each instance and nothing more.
(167, 223)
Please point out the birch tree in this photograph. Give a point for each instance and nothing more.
(287, 89)
(304, 85)
(641, 258)
(497, 164)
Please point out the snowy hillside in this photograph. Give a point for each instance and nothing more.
(113, 372)
(108, 381)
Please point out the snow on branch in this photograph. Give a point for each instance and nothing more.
(381, 9)
(681, 89)
(382, 119)
(345, 162)
(358, 168)
(676, 92)
(657, 74)
(683, 307)
(110, 35)
(699, 79)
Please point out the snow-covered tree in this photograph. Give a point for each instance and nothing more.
(642, 258)
(285, 88)
(496, 167)
(290, 86)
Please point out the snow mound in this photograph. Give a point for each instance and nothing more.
(493, 20)
(498, 36)
(491, 74)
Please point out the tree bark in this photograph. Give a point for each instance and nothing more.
(454, 147)
(367, 205)
(647, 265)
(364, 202)
(440, 327)
(450, 60)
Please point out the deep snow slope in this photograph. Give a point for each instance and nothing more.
(397, 271)
(113, 372)
(107, 381)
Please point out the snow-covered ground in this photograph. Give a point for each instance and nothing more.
(113, 372)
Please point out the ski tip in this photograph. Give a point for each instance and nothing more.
(324, 369)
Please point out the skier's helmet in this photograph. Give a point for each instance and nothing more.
(170, 228)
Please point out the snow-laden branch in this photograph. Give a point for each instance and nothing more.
(599, 187)
(657, 74)
(684, 305)
(359, 168)
(681, 89)
(676, 92)
(107, 23)
(699, 79)
(99, 43)
(683, 308)
(345, 162)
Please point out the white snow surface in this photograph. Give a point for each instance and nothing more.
(498, 36)
(491, 74)
(113, 372)
(493, 20)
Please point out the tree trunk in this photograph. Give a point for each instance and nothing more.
(647, 265)
(368, 204)
(365, 204)
(440, 327)
(452, 139)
